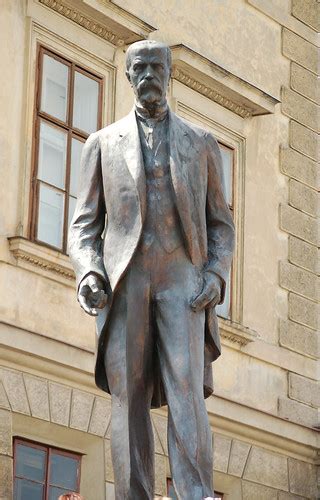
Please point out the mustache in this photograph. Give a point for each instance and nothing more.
(149, 84)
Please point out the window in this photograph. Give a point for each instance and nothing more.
(227, 153)
(232, 146)
(172, 495)
(44, 473)
(68, 109)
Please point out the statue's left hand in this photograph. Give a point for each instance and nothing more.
(210, 293)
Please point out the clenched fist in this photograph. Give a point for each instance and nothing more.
(210, 294)
(92, 294)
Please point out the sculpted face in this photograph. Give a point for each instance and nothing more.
(148, 71)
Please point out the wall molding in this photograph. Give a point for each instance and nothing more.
(41, 259)
(218, 84)
(108, 22)
(236, 333)
(84, 21)
(209, 92)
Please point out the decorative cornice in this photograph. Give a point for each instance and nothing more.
(210, 92)
(84, 21)
(42, 259)
(236, 333)
(103, 18)
(46, 265)
(219, 84)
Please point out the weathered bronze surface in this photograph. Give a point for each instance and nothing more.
(151, 242)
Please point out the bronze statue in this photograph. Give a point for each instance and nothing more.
(151, 242)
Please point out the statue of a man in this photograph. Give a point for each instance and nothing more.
(151, 242)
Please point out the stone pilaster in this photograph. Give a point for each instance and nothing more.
(5, 454)
(299, 218)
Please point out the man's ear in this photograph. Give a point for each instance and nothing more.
(128, 76)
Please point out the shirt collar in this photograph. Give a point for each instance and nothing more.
(143, 113)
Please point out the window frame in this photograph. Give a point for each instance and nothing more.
(169, 483)
(67, 127)
(227, 129)
(48, 450)
(223, 144)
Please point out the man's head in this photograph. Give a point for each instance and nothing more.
(148, 71)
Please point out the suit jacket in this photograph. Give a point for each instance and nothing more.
(110, 211)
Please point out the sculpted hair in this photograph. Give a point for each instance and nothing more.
(144, 43)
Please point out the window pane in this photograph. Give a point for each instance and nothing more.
(54, 493)
(227, 162)
(50, 217)
(76, 150)
(26, 490)
(63, 471)
(54, 95)
(85, 103)
(72, 206)
(223, 310)
(52, 155)
(30, 462)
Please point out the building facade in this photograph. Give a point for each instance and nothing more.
(246, 70)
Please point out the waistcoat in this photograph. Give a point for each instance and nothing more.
(161, 224)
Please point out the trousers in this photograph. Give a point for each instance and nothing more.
(152, 327)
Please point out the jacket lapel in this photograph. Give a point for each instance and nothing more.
(179, 175)
(131, 150)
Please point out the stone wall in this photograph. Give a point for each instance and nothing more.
(258, 472)
(299, 275)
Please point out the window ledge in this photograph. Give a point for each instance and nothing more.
(218, 84)
(236, 334)
(42, 260)
(57, 266)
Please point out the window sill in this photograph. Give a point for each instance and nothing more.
(236, 335)
(42, 260)
(57, 266)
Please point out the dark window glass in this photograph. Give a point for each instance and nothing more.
(30, 462)
(27, 490)
(44, 473)
(63, 471)
(54, 492)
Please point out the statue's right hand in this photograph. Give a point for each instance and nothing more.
(92, 294)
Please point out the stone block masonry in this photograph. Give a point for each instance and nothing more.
(300, 109)
(299, 338)
(299, 218)
(299, 167)
(304, 389)
(299, 50)
(304, 140)
(305, 82)
(304, 255)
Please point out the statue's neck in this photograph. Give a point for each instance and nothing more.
(156, 112)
